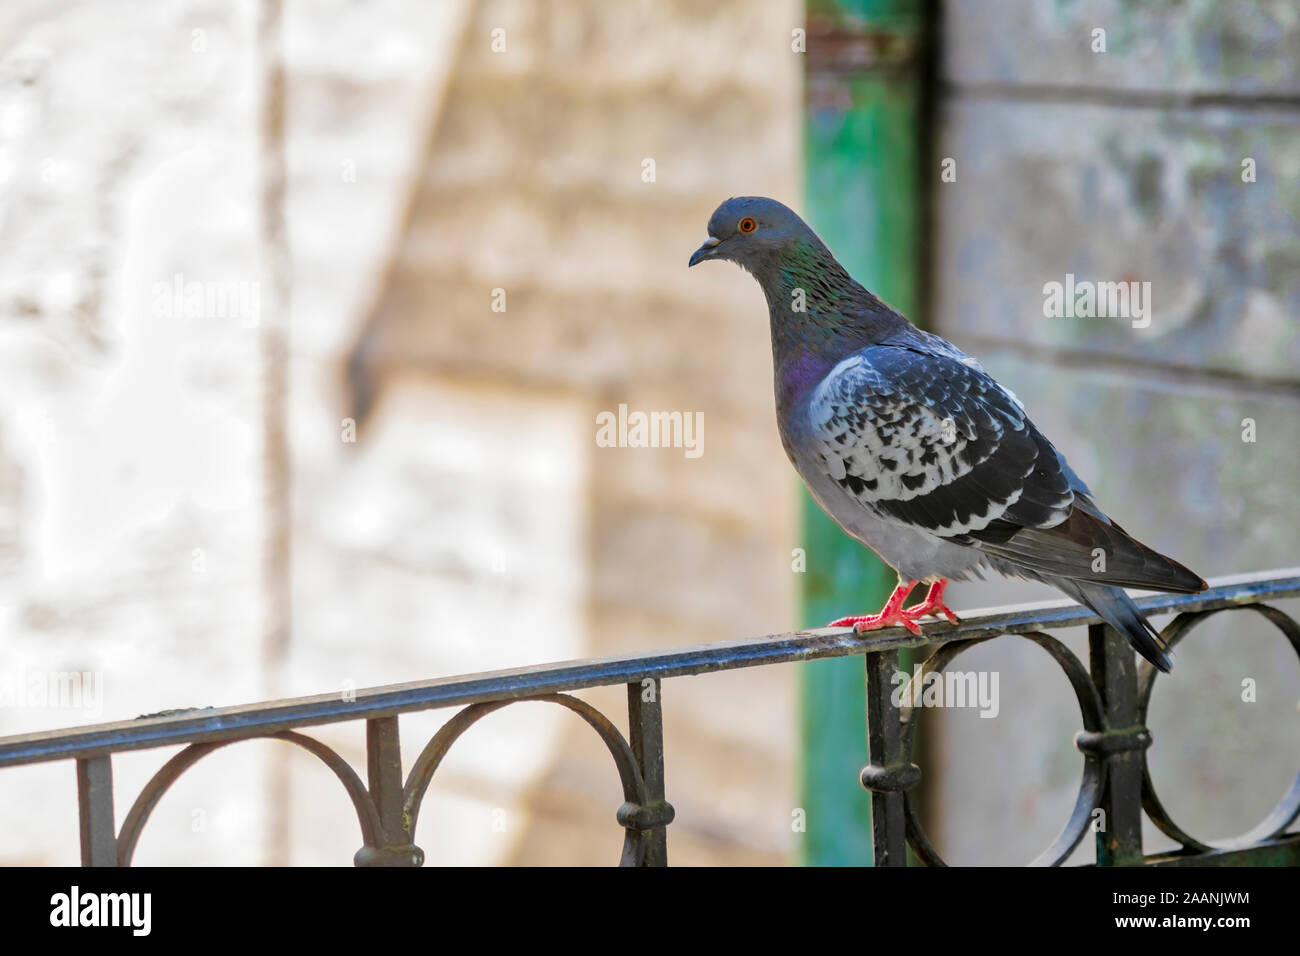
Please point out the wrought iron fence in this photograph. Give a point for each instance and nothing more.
(1112, 692)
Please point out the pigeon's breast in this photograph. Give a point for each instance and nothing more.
(914, 553)
(797, 376)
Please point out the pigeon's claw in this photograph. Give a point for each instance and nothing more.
(861, 623)
(891, 615)
(933, 604)
(925, 610)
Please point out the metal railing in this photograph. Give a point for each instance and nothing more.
(1112, 692)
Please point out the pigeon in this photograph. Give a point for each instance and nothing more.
(913, 449)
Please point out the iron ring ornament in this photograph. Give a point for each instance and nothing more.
(638, 813)
(1286, 811)
(1094, 767)
(1095, 742)
(170, 772)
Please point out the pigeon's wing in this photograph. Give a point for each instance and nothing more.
(930, 440)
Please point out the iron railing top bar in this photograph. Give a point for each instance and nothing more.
(270, 717)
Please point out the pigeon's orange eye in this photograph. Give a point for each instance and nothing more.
(747, 225)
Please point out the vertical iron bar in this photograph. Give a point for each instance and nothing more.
(885, 752)
(1114, 671)
(95, 807)
(646, 738)
(384, 781)
(384, 774)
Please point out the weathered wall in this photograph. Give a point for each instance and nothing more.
(1126, 165)
(473, 523)
(128, 433)
(534, 186)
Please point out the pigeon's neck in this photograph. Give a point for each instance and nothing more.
(819, 316)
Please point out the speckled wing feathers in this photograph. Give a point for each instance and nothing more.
(931, 440)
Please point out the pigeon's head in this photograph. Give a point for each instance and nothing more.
(752, 232)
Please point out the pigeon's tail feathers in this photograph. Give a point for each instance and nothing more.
(1159, 572)
(1089, 548)
(1118, 610)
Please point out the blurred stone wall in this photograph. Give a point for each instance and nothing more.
(1131, 165)
(452, 511)
(568, 177)
(128, 432)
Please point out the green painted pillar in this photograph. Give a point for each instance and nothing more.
(863, 194)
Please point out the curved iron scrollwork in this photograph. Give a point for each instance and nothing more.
(1287, 809)
(1097, 741)
(171, 771)
(638, 813)
(1113, 692)
(1094, 769)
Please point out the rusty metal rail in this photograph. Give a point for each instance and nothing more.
(1113, 696)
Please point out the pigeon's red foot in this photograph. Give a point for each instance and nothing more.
(933, 604)
(875, 622)
(891, 615)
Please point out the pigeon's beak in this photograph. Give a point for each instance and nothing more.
(705, 251)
